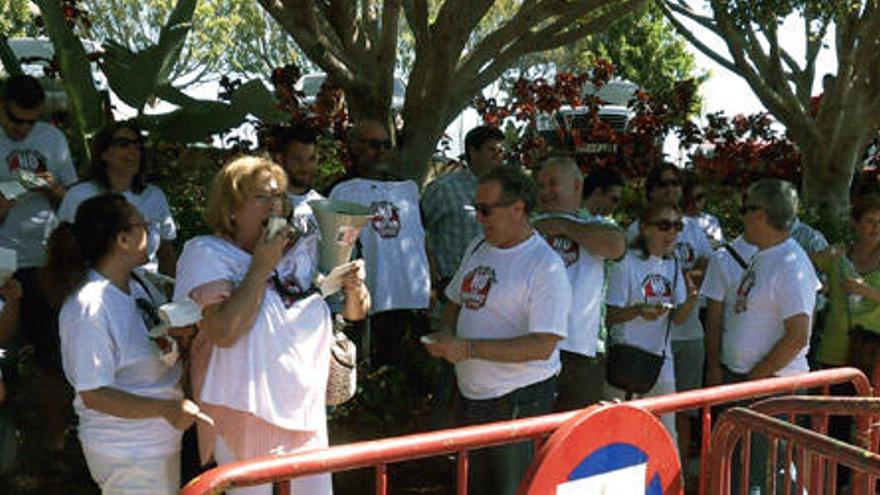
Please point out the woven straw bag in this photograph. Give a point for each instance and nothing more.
(342, 380)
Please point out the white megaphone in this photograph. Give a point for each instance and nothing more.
(340, 224)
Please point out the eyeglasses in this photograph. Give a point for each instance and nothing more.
(747, 208)
(699, 197)
(667, 225)
(669, 183)
(270, 198)
(15, 119)
(486, 210)
(125, 142)
(378, 144)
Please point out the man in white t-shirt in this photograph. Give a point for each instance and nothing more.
(39, 152)
(508, 311)
(295, 148)
(768, 332)
(392, 245)
(584, 242)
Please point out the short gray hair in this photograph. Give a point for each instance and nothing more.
(565, 163)
(778, 199)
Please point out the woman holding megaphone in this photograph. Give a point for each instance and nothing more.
(260, 363)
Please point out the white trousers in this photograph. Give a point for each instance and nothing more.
(147, 476)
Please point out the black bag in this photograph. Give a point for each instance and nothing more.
(632, 369)
(635, 370)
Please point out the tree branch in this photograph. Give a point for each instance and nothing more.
(416, 12)
(695, 41)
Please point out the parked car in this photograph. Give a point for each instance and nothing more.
(310, 85)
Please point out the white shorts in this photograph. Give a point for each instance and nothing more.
(143, 475)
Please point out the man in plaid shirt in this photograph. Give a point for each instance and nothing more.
(448, 203)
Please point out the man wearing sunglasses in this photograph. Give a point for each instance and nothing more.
(584, 242)
(392, 244)
(768, 311)
(33, 147)
(508, 310)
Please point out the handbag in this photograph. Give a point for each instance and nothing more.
(635, 370)
(342, 378)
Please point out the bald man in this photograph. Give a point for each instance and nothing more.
(392, 244)
(583, 241)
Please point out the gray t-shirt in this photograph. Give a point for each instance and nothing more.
(27, 226)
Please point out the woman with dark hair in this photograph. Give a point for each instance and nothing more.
(128, 398)
(647, 293)
(118, 166)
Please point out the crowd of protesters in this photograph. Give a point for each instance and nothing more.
(535, 293)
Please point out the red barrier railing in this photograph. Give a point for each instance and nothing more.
(811, 458)
(379, 453)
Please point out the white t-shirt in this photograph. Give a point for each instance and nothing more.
(104, 343)
(724, 273)
(635, 280)
(586, 274)
(151, 203)
(503, 294)
(28, 225)
(278, 370)
(392, 244)
(690, 247)
(710, 226)
(303, 219)
(779, 283)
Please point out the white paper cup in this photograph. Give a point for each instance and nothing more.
(180, 313)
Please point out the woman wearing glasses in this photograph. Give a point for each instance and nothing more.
(128, 398)
(694, 202)
(260, 363)
(118, 166)
(647, 293)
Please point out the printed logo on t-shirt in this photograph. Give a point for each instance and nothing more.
(685, 254)
(565, 248)
(386, 219)
(742, 292)
(30, 160)
(476, 286)
(657, 289)
(288, 290)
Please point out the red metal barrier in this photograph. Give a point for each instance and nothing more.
(380, 453)
(814, 456)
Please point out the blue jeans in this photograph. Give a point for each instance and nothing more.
(498, 470)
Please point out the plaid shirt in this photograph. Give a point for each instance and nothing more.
(450, 219)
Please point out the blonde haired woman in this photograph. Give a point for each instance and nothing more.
(260, 362)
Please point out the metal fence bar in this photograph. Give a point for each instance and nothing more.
(391, 450)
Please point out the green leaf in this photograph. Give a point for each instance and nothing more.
(136, 77)
(8, 59)
(253, 98)
(85, 102)
(194, 123)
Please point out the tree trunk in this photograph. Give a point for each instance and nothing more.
(828, 170)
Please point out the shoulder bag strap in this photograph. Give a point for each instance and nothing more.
(739, 259)
(669, 316)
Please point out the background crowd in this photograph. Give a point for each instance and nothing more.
(520, 281)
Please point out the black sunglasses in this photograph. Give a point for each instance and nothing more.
(125, 142)
(667, 225)
(18, 120)
(486, 210)
(378, 144)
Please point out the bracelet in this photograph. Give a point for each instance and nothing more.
(471, 349)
